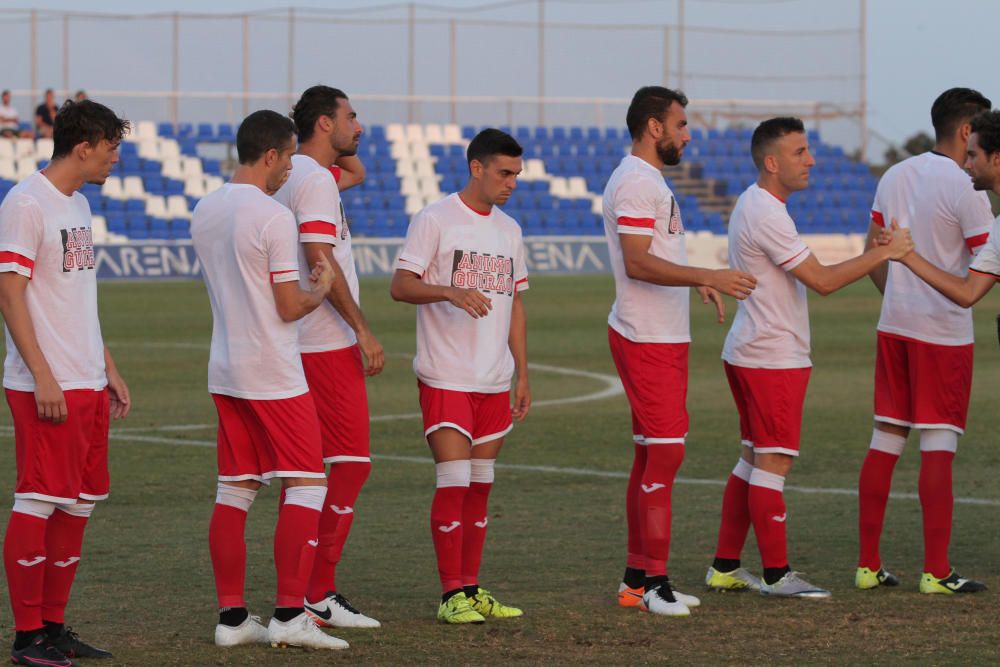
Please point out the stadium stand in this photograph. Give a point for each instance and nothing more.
(164, 170)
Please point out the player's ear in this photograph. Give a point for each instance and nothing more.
(476, 169)
(270, 157)
(771, 163)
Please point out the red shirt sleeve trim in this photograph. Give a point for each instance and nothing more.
(522, 280)
(318, 227)
(335, 170)
(878, 219)
(794, 257)
(974, 242)
(985, 273)
(276, 274)
(645, 223)
(8, 257)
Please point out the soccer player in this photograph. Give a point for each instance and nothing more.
(463, 265)
(247, 244)
(60, 380)
(923, 367)
(334, 337)
(649, 335)
(766, 356)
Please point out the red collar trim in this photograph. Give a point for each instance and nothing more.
(476, 211)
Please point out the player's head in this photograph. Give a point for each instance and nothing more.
(494, 165)
(5, 97)
(952, 111)
(50, 96)
(88, 133)
(657, 115)
(982, 158)
(325, 111)
(265, 142)
(780, 150)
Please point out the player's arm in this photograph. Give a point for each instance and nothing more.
(352, 172)
(118, 393)
(340, 298)
(49, 399)
(963, 291)
(825, 279)
(517, 340)
(409, 288)
(641, 264)
(880, 273)
(293, 302)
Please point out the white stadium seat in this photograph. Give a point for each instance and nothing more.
(43, 148)
(413, 204)
(177, 207)
(395, 132)
(433, 134)
(99, 228)
(156, 206)
(213, 183)
(132, 188)
(534, 170)
(25, 148)
(144, 130)
(25, 167)
(194, 186)
(8, 168)
(149, 149)
(191, 166)
(6, 148)
(400, 150)
(558, 187)
(452, 134)
(113, 188)
(169, 148)
(577, 187)
(414, 132)
(172, 168)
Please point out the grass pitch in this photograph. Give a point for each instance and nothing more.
(557, 518)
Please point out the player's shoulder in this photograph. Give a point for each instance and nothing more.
(506, 222)
(31, 193)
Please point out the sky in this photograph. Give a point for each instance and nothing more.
(915, 48)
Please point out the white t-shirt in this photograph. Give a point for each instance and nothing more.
(933, 197)
(9, 117)
(246, 241)
(771, 327)
(638, 201)
(311, 194)
(45, 236)
(448, 243)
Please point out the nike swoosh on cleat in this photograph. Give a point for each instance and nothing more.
(635, 595)
(481, 524)
(313, 543)
(342, 510)
(325, 615)
(653, 487)
(448, 529)
(67, 562)
(780, 519)
(31, 563)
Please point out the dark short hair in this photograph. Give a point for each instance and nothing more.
(86, 121)
(5, 92)
(770, 131)
(492, 142)
(954, 107)
(260, 132)
(650, 102)
(315, 102)
(986, 126)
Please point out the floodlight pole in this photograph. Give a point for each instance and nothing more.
(34, 57)
(411, 85)
(65, 53)
(680, 44)
(863, 78)
(291, 56)
(541, 62)
(175, 69)
(453, 46)
(246, 65)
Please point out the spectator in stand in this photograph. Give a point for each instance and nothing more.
(9, 119)
(45, 115)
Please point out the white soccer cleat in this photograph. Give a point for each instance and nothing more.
(689, 601)
(250, 631)
(301, 631)
(334, 611)
(661, 600)
(794, 586)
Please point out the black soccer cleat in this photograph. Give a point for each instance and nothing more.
(40, 653)
(69, 643)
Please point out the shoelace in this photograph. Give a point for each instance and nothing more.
(342, 601)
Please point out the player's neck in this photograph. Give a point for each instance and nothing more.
(247, 175)
(953, 149)
(64, 177)
(319, 151)
(474, 200)
(773, 187)
(647, 153)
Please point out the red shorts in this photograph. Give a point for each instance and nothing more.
(769, 401)
(60, 463)
(479, 417)
(337, 382)
(922, 385)
(655, 377)
(263, 439)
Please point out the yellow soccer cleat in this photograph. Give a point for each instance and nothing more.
(953, 583)
(457, 610)
(866, 578)
(487, 605)
(737, 580)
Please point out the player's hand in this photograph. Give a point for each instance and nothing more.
(732, 282)
(707, 295)
(901, 243)
(121, 402)
(474, 302)
(522, 399)
(50, 401)
(321, 276)
(374, 354)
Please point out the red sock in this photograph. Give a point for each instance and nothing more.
(636, 551)
(735, 523)
(873, 496)
(63, 542)
(342, 488)
(662, 462)
(474, 521)
(23, 558)
(936, 501)
(446, 531)
(767, 513)
(227, 546)
(295, 548)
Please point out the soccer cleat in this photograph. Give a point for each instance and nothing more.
(629, 597)
(953, 583)
(739, 579)
(69, 644)
(662, 600)
(40, 653)
(334, 611)
(457, 610)
(301, 631)
(866, 578)
(489, 607)
(250, 631)
(793, 586)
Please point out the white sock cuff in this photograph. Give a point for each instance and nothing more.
(81, 510)
(743, 469)
(235, 496)
(41, 509)
(890, 443)
(768, 480)
(453, 473)
(482, 470)
(938, 440)
(306, 496)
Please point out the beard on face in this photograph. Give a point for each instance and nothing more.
(668, 153)
(982, 182)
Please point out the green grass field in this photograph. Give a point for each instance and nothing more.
(557, 539)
